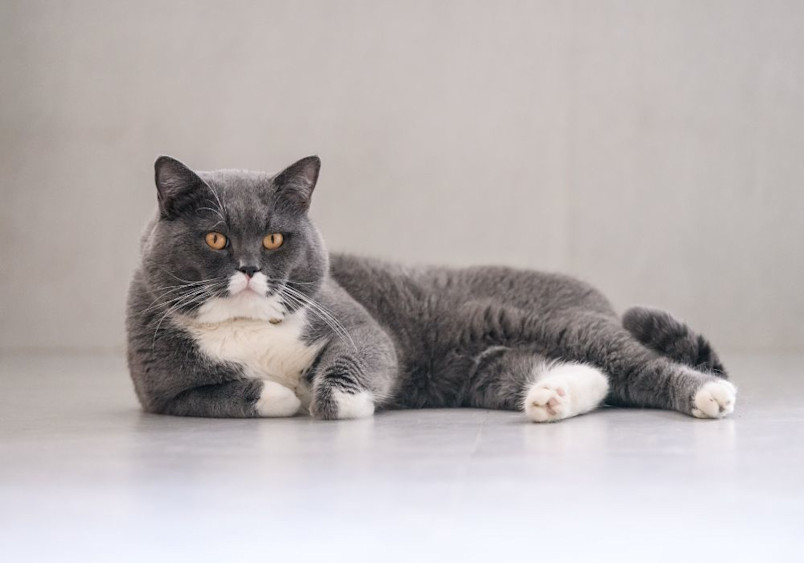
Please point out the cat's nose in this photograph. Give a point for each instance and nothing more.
(249, 270)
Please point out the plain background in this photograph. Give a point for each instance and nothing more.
(655, 149)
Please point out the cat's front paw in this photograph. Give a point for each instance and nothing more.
(276, 401)
(341, 405)
(715, 399)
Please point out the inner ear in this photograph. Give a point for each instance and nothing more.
(176, 186)
(295, 184)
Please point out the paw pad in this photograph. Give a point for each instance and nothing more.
(546, 402)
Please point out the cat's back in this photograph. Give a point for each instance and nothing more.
(382, 284)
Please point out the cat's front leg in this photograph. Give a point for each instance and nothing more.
(351, 380)
(240, 398)
(172, 377)
(339, 392)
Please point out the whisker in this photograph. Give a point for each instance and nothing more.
(191, 300)
(173, 300)
(322, 312)
(174, 288)
(278, 281)
(175, 276)
(213, 210)
(215, 284)
(218, 199)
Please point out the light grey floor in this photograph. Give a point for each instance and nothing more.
(85, 476)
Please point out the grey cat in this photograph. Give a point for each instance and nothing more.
(238, 310)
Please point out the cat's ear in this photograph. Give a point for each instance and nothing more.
(295, 184)
(175, 185)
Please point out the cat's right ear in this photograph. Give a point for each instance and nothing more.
(175, 185)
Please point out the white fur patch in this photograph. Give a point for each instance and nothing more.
(564, 390)
(715, 399)
(239, 329)
(358, 405)
(277, 400)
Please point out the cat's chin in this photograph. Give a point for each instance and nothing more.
(244, 305)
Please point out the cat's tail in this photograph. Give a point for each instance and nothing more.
(663, 333)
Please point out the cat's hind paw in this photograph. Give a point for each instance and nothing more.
(714, 399)
(547, 402)
(564, 390)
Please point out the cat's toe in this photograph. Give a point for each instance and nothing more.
(547, 402)
(715, 399)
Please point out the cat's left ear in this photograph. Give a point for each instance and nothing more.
(295, 184)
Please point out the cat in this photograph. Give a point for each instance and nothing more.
(238, 310)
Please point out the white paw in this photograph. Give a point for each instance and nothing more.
(714, 400)
(547, 402)
(358, 405)
(565, 390)
(277, 400)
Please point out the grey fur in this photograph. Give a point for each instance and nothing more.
(671, 337)
(415, 337)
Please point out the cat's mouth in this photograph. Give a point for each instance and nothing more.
(247, 292)
(244, 285)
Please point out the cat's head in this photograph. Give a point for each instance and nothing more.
(232, 243)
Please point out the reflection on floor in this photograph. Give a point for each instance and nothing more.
(85, 476)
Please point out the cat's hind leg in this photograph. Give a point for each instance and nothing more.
(548, 391)
(640, 376)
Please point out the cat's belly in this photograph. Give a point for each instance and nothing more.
(266, 351)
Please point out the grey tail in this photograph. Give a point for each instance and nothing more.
(665, 334)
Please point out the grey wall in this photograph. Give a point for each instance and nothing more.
(654, 148)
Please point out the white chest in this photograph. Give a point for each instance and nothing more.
(275, 352)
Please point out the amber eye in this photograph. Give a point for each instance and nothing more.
(216, 240)
(273, 241)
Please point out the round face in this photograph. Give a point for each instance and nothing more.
(234, 244)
